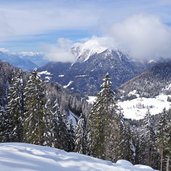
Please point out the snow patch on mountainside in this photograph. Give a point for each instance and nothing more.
(61, 76)
(66, 86)
(27, 157)
(44, 73)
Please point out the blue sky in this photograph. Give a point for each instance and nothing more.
(30, 25)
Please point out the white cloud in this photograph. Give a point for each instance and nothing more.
(22, 20)
(143, 37)
(66, 50)
(60, 52)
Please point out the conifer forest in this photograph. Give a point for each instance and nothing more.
(33, 115)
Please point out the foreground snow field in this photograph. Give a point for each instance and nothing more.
(27, 157)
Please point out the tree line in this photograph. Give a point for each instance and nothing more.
(32, 117)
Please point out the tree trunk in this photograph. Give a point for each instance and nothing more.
(161, 160)
(167, 164)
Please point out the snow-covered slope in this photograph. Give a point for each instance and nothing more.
(27, 157)
(149, 91)
(138, 107)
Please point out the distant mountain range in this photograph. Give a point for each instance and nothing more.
(86, 73)
(144, 88)
(138, 85)
(25, 61)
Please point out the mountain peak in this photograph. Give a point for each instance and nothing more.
(84, 50)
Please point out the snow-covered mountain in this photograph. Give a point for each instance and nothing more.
(149, 91)
(83, 51)
(93, 62)
(23, 60)
(27, 157)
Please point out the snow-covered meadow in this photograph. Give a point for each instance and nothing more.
(138, 107)
(27, 157)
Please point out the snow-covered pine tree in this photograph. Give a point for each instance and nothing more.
(34, 122)
(81, 135)
(49, 137)
(104, 125)
(168, 148)
(149, 150)
(127, 150)
(71, 136)
(56, 130)
(15, 109)
(162, 137)
(3, 126)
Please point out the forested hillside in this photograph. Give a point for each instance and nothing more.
(43, 113)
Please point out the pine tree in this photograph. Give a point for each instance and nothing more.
(3, 126)
(50, 123)
(168, 148)
(149, 151)
(126, 143)
(105, 125)
(56, 130)
(167, 151)
(34, 123)
(162, 134)
(15, 109)
(81, 135)
(71, 137)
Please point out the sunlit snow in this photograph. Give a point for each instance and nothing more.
(91, 99)
(27, 157)
(137, 108)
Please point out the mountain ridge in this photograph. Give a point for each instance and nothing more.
(24, 60)
(85, 76)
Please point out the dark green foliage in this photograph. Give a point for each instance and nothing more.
(13, 118)
(34, 123)
(164, 138)
(147, 146)
(71, 137)
(4, 126)
(57, 134)
(106, 127)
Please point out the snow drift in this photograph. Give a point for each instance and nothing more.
(27, 157)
